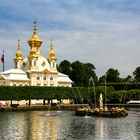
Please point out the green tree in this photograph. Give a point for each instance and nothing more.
(136, 74)
(88, 73)
(82, 72)
(102, 79)
(65, 67)
(112, 75)
(78, 73)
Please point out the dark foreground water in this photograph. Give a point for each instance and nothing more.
(43, 125)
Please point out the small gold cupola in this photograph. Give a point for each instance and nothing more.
(35, 42)
(18, 57)
(18, 53)
(51, 53)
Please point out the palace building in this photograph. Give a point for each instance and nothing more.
(35, 69)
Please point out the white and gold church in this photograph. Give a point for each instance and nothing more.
(35, 69)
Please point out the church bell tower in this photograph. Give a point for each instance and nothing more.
(35, 44)
(52, 58)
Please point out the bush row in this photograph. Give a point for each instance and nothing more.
(79, 94)
(124, 85)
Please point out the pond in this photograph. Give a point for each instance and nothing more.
(57, 125)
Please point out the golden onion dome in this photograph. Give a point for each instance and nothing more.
(51, 53)
(35, 39)
(18, 53)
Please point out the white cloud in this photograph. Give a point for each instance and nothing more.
(105, 37)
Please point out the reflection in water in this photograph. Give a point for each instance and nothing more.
(12, 126)
(37, 125)
(101, 127)
(43, 126)
(138, 130)
(81, 128)
(27, 125)
(113, 129)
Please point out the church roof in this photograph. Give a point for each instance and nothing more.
(64, 78)
(13, 71)
(14, 74)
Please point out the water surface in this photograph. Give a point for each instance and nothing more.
(54, 125)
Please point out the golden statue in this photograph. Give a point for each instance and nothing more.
(101, 101)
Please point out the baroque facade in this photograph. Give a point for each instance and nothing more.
(35, 69)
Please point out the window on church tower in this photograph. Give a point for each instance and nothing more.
(15, 64)
(34, 62)
(43, 64)
(37, 49)
(30, 62)
(53, 64)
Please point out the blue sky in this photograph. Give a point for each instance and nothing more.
(105, 33)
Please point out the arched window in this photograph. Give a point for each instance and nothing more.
(44, 78)
(51, 78)
(24, 64)
(15, 64)
(53, 64)
(30, 62)
(37, 49)
(38, 78)
(34, 62)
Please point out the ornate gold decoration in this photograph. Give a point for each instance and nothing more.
(51, 53)
(34, 42)
(32, 50)
(18, 53)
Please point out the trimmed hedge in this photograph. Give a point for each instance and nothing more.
(35, 92)
(79, 94)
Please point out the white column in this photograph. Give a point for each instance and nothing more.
(11, 83)
(48, 79)
(56, 83)
(31, 78)
(41, 78)
(34, 81)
